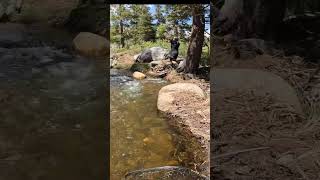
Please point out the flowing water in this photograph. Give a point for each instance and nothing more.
(53, 111)
(53, 116)
(140, 137)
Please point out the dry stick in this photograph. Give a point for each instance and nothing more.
(239, 151)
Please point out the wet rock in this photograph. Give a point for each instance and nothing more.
(167, 94)
(90, 44)
(148, 140)
(138, 75)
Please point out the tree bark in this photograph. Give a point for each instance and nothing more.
(121, 35)
(196, 40)
(250, 18)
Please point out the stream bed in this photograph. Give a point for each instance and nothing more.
(140, 136)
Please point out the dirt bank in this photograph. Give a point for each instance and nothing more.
(191, 118)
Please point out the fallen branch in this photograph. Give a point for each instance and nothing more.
(240, 151)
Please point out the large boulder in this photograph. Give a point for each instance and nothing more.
(48, 11)
(152, 54)
(167, 94)
(261, 82)
(90, 44)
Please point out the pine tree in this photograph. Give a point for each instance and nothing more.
(159, 15)
(192, 61)
(120, 21)
(145, 27)
(177, 17)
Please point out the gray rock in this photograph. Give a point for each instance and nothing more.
(135, 57)
(152, 54)
(158, 53)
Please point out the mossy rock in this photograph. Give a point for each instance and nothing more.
(122, 66)
(141, 67)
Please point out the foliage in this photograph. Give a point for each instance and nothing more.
(144, 25)
(142, 30)
(161, 31)
(159, 15)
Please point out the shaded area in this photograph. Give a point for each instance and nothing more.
(53, 118)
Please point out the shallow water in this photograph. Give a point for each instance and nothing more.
(140, 137)
(52, 120)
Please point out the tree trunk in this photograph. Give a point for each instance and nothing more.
(196, 40)
(250, 18)
(176, 29)
(121, 34)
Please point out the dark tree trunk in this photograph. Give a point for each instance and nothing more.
(213, 15)
(121, 34)
(250, 18)
(196, 40)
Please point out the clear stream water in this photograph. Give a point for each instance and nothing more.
(140, 137)
(53, 121)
